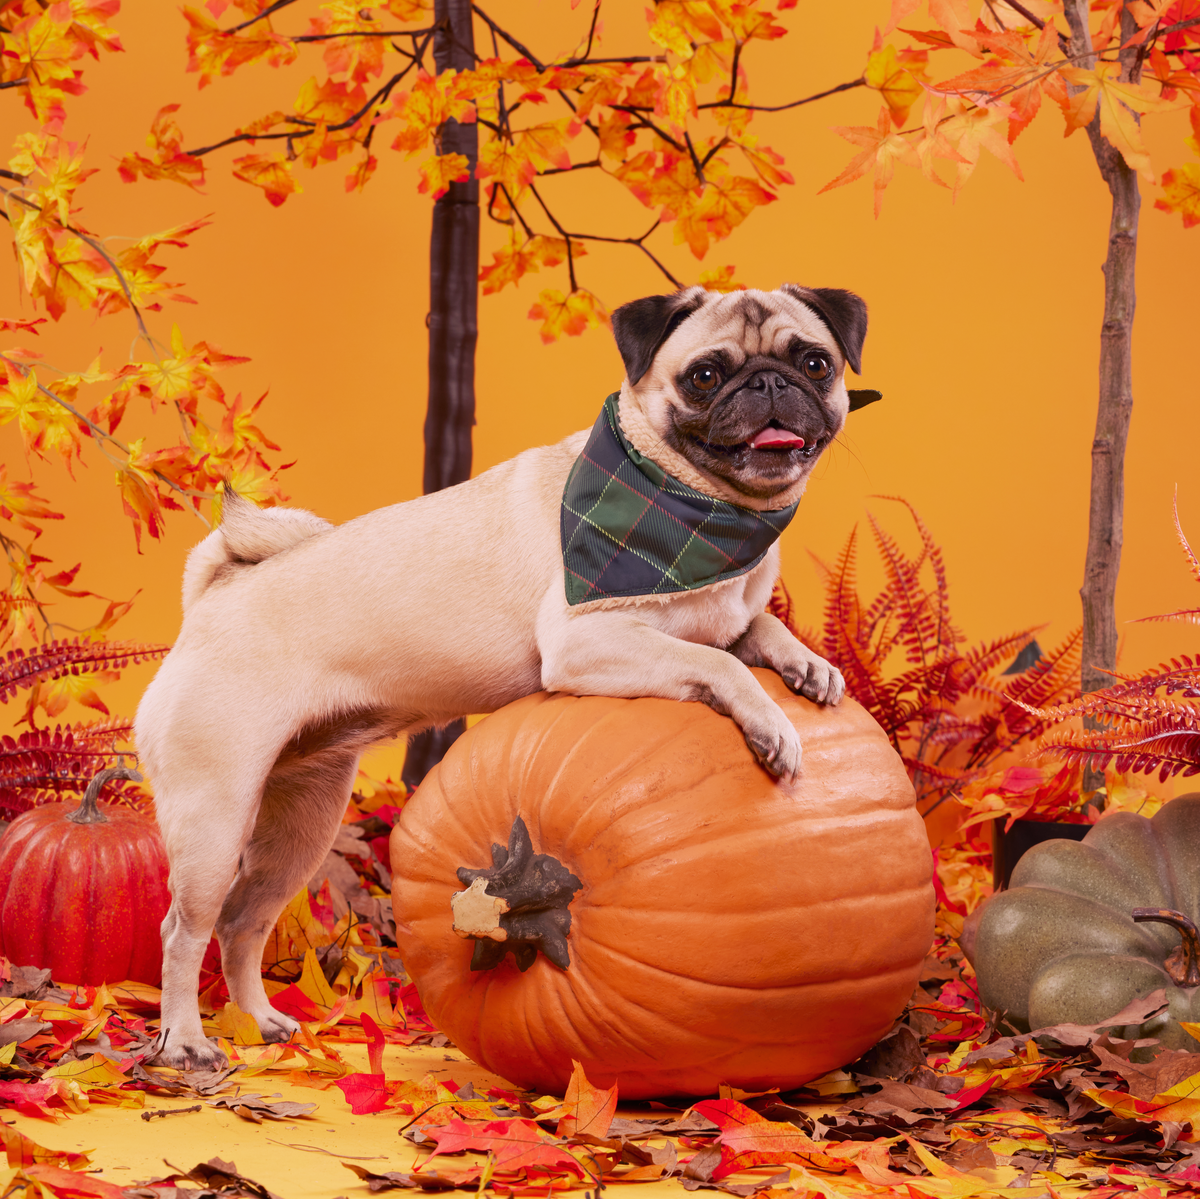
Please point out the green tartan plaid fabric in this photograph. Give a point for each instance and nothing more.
(629, 528)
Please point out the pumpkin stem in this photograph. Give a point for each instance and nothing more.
(1184, 964)
(88, 812)
(520, 905)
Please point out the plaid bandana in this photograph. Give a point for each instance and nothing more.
(629, 528)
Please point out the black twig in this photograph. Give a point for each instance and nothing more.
(266, 12)
(512, 41)
(562, 232)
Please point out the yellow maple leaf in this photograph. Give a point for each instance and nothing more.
(883, 150)
(1181, 193)
(271, 172)
(167, 160)
(438, 173)
(898, 88)
(1103, 90)
(720, 278)
(970, 132)
(40, 51)
(615, 135)
(569, 315)
(213, 52)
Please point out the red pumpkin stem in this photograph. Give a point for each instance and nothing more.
(1184, 964)
(88, 812)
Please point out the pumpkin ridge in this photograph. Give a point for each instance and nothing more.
(765, 830)
(615, 1032)
(612, 781)
(782, 987)
(801, 910)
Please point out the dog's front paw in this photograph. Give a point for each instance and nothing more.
(190, 1055)
(275, 1026)
(814, 678)
(775, 743)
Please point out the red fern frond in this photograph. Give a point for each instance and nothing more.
(919, 630)
(49, 765)
(1183, 541)
(1168, 749)
(841, 599)
(948, 636)
(21, 669)
(780, 606)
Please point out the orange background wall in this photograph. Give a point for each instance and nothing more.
(985, 317)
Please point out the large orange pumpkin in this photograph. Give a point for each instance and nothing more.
(83, 890)
(720, 926)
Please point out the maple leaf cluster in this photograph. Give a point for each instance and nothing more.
(671, 126)
(60, 414)
(1024, 55)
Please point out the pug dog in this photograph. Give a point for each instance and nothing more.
(634, 560)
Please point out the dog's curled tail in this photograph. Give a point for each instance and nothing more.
(246, 535)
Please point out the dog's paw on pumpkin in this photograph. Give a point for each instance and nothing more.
(776, 746)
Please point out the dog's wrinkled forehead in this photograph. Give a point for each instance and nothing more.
(658, 330)
(746, 324)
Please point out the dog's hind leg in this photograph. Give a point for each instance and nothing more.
(202, 870)
(302, 806)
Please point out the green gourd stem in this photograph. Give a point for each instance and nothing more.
(1184, 964)
(88, 812)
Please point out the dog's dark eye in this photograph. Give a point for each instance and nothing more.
(704, 378)
(815, 366)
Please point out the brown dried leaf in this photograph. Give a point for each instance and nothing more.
(255, 1108)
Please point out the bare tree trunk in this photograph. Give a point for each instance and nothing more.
(453, 324)
(1106, 511)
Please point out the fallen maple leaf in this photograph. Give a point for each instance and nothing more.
(513, 1144)
(586, 1108)
(365, 1093)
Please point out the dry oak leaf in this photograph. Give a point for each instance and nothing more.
(569, 315)
(1102, 88)
(255, 1108)
(883, 150)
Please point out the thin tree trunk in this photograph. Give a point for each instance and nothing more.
(452, 320)
(1106, 510)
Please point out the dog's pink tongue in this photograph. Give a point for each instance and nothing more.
(771, 436)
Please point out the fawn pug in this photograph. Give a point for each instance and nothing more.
(634, 559)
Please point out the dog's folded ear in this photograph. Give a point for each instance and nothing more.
(641, 326)
(861, 398)
(842, 311)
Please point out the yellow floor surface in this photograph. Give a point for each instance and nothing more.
(296, 1159)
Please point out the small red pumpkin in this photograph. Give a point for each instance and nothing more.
(716, 925)
(84, 890)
